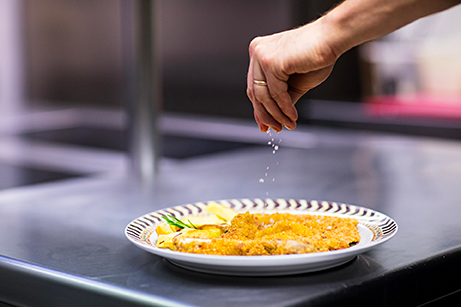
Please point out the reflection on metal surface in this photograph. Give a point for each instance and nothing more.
(54, 226)
(82, 290)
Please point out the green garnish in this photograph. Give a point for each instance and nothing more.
(174, 221)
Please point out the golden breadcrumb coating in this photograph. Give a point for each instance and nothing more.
(273, 234)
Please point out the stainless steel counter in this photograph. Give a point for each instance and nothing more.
(63, 244)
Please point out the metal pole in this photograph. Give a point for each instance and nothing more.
(12, 58)
(142, 77)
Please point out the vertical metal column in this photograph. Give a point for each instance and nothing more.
(142, 69)
(12, 58)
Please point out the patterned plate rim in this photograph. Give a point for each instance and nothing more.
(382, 226)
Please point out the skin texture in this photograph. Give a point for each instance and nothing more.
(297, 60)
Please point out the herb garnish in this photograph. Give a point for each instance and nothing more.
(174, 221)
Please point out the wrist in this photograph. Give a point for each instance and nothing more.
(357, 21)
(332, 34)
(350, 24)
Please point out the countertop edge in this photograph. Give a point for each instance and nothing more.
(65, 289)
(387, 288)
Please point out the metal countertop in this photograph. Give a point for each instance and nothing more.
(63, 243)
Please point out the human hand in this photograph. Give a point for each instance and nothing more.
(291, 63)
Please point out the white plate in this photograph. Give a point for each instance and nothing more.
(375, 228)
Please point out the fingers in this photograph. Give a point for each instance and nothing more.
(261, 126)
(272, 103)
(269, 111)
(278, 91)
(264, 119)
(291, 63)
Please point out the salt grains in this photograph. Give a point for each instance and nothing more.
(275, 148)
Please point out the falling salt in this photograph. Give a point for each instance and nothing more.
(273, 143)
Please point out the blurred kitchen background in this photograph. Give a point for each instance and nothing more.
(63, 112)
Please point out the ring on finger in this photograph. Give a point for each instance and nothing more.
(260, 82)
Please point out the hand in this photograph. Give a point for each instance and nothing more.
(291, 63)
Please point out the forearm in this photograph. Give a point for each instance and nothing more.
(357, 21)
(295, 61)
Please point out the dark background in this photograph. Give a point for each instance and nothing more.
(74, 52)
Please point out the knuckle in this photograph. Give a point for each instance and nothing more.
(263, 99)
(265, 59)
(254, 42)
(275, 96)
(264, 55)
(250, 94)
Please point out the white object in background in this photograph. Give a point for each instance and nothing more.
(437, 53)
(439, 60)
(422, 57)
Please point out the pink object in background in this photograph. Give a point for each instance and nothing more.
(418, 105)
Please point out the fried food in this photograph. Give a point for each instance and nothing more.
(265, 234)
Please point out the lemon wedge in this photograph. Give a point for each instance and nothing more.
(222, 212)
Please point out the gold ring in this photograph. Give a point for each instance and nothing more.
(258, 82)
